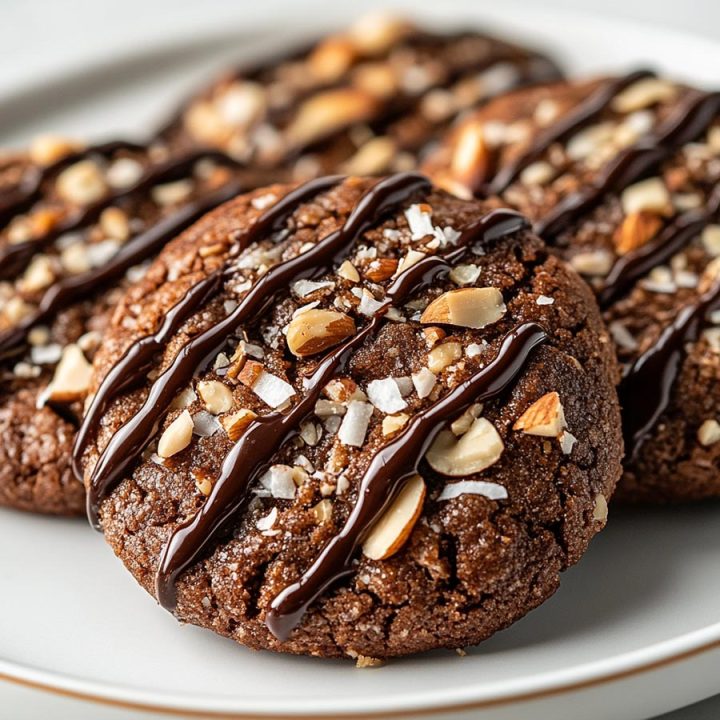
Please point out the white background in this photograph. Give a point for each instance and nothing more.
(50, 36)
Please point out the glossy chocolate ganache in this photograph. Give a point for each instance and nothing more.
(264, 436)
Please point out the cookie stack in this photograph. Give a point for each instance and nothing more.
(333, 358)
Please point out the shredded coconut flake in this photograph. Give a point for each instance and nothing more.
(303, 288)
(567, 441)
(272, 390)
(355, 423)
(368, 304)
(267, 521)
(474, 349)
(419, 222)
(424, 381)
(490, 490)
(465, 274)
(263, 201)
(46, 354)
(544, 300)
(278, 481)
(205, 424)
(385, 395)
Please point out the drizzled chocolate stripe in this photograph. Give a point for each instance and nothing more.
(140, 248)
(646, 388)
(391, 466)
(671, 240)
(689, 120)
(131, 439)
(15, 257)
(266, 435)
(137, 360)
(30, 187)
(584, 114)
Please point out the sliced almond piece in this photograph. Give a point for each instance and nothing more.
(347, 270)
(466, 307)
(81, 183)
(48, 149)
(323, 511)
(545, 417)
(331, 58)
(709, 432)
(217, 397)
(381, 269)
(393, 529)
(392, 423)
(441, 356)
(600, 510)
(642, 94)
(236, 422)
(372, 158)
(479, 448)
(471, 158)
(313, 331)
(327, 112)
(637, 229)
(651, 194)
(72, 376)
(177, 435)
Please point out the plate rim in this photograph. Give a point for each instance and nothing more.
(690, 646)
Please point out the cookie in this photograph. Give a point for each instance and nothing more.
(353, 418)
(78, 230)
(368, 100)
(621, 176)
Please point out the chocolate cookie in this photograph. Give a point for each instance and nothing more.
(621, 176)
(366, 101)
(353, 418)
(77, 229)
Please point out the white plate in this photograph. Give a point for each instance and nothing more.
(634, 630)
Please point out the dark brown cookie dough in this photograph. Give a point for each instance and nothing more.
(620, 175)
(474, 541)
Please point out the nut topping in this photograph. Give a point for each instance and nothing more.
(72, 376)
(650, 194)
(636, 229)
(235, 423)
(470, 163)
(393, 529)
(441, 356)
(177, 435)
(216, 396)
(709, 433)
(479, 448)
(313, 331)
(327, 112)
(466, 307)
(544, 417)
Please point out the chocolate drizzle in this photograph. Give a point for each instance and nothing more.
(393, 465)
(252, 453)
(29, 189)
(672, 239)
(15, 257)
(140, 248)
(646, 388)
(130, 440)
(585, 113)
(689, 119)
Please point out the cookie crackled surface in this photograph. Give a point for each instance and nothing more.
(353, 418)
